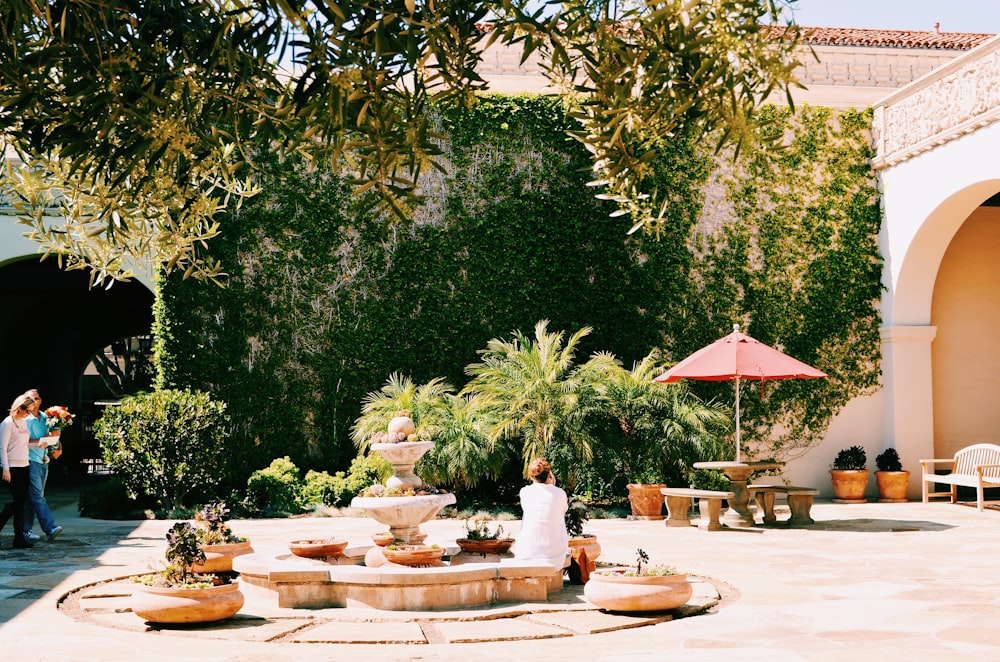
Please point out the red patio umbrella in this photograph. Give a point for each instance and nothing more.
(738, 356)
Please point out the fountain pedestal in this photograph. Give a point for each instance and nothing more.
(403, 514)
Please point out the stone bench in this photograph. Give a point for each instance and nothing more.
(709, 505)
(800, 501)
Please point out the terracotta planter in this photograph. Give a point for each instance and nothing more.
(317, 549)
(219, 558)
(849, 486)
(618, 592)
(383, 539)
(413, 555)
(892, 485)
(186, 605)
(589, 543)
(501, 546)
(646, 500)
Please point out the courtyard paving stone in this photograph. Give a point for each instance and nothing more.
(887, 581)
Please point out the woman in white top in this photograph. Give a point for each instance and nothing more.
(543, 527)
(14, 459)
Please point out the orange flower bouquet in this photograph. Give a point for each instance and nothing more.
(58, 417)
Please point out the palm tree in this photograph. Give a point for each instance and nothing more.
(538, 395)
(399, 394)
(662, 428)
(464, 454)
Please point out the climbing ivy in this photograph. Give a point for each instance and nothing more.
(324, 300)
(799, 267)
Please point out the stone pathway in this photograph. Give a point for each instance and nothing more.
(890, 582)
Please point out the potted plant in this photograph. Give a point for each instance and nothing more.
(480, 539)
(849, 475)
(892, 481)
(642, 588)
(644, 495)
(217, 540)
(576, 516)
(178, 594)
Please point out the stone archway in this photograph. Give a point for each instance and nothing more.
(50, 328)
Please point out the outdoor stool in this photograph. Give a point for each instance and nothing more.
(800, 501)
(678, 501)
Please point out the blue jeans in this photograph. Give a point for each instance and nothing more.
(36, 505)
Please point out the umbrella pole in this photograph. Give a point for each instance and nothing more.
(738, 444)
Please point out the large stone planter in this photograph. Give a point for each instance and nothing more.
(619, 592)
(646, 500)
(186, 605)
(219, 558)
(892, 486)
(849, 486)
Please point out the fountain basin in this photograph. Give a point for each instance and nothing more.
(404, 515)
(395, 588)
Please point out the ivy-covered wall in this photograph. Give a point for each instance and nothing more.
(323, 301)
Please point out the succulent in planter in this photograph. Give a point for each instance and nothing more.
(888, 460)
(179, 594)
(644, 588)
(851, 459)
(478, 528)
(183, 552)
(849, 475)
(214, 530)
(643, 568)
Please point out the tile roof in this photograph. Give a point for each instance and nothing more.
(928, 39)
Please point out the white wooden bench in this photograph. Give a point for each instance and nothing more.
(709, 505)
(800, 501)
(975, 466)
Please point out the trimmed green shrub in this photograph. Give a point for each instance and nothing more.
(275, 490)
(169, 445)
(706, 479)
(338, 490)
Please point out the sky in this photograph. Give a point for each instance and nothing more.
(953, 15)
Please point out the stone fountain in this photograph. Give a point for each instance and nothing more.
(344, 580)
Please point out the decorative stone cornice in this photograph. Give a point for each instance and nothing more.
(957, 99)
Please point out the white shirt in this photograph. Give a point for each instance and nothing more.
(543, 528)
(13, 443)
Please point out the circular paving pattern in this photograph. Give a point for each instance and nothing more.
(565, 614)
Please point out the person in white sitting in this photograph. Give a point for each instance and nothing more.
(543, 534)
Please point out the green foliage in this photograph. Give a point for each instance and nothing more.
(324, 304)
(851, 459)
(338, 490)
(539, 397)
(169, 444)
(709, 479)
(800, 271)
(275, 489)
(576, 516)
(888, 460)
(657, 431)
(184, 91)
